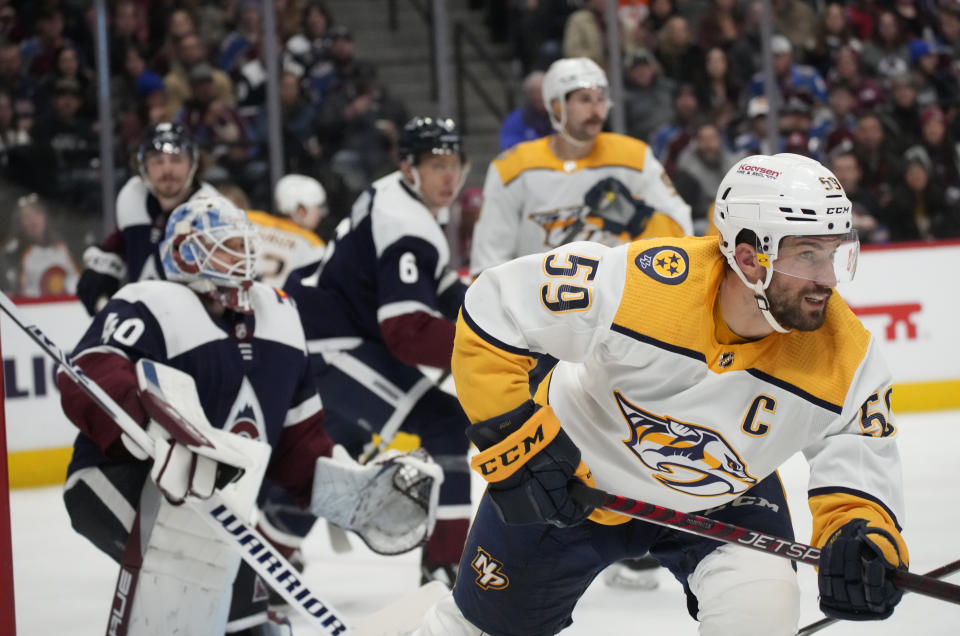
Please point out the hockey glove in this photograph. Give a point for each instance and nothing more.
(100, 279)
(613, 207)
(855, 567)
(529, 461)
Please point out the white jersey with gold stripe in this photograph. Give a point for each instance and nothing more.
(661, 409)
(532, 200)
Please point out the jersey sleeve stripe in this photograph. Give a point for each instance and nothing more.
(304, 410)
(786, 386)
(499, 344)
(392, 310)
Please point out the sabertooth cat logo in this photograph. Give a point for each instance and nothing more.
(685, 457)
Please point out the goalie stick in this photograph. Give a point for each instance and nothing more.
(255, 550)
(938, 573)
(729, 533)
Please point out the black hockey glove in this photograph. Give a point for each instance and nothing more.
(94, 289)
(618, 210)
(529, 461)
(855, 575)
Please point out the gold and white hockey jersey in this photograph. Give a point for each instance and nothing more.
(666, 404)
(533, 201)
(284, 246)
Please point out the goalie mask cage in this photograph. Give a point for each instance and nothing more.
(7, 622)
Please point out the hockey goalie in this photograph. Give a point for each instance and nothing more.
(213, 366)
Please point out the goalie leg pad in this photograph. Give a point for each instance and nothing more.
(446, 619)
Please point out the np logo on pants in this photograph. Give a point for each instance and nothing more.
(489, 573)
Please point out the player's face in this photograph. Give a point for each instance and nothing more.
(803, 281)
(587, 109)
(439, 178)
(224, 259)
(167, 172)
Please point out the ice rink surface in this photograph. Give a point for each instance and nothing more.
(63, 584)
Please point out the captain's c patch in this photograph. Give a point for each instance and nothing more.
(664, 264)
(490, 576)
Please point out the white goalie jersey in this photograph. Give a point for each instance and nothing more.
(664, 402)
(533, 201)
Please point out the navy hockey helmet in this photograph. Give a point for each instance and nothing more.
(429, 135)
(170, 138)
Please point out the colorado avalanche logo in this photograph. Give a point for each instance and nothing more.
(246, 416)
(665, 264)
(685, 457)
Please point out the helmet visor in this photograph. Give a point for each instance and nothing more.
(826, 259)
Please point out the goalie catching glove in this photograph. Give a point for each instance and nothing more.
(529, 461)
(613, 208)
(390, 503)
(855, 567)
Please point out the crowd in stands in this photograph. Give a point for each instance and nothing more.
(869, 87)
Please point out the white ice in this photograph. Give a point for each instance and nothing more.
(63, 584)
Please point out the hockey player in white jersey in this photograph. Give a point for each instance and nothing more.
(384, 301)
(690, 369)
(167, 160)
(229, 358)
(288, 239)
(578, 184)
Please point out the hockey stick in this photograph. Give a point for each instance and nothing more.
(729, 533)
(255, 550)
(938, 573)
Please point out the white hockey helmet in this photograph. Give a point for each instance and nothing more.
(567, 75)
(294, 190)
(764, 199)
(198, 249)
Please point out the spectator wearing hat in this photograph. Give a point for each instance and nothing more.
(347, 69)
(790, 77)
(529, 120)
(190, 51)
(648, 99)
(885, 53)
(917, 208)
(753, 136)
(940, 149)
(68, 137)
(925, 57)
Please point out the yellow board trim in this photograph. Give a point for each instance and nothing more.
(914, 397)
(43, 467)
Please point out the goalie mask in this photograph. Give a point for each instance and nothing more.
(765, 199)
(210, 245)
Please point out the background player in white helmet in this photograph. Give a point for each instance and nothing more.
(241, 350)
(735, 346)
(382, 302)
(577, 184)
(288, 240)
(167, 161)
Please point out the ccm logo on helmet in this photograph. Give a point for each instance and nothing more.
(841, 210)
(758, 171)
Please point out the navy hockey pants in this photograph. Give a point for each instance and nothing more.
(524, 580)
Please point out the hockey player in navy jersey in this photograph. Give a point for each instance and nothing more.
(690, 369)
(167, 162)
(242, 352)
(383, 301)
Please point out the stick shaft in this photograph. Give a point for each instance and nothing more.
(761, 541)
(255, 550)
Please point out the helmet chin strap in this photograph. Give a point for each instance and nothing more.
(415, 185)
(760, 295)
(561, 128)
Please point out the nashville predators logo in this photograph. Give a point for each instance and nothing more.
(489, 574)
(685, 457)
(664, 264)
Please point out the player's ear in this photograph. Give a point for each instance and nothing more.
(746, 257)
